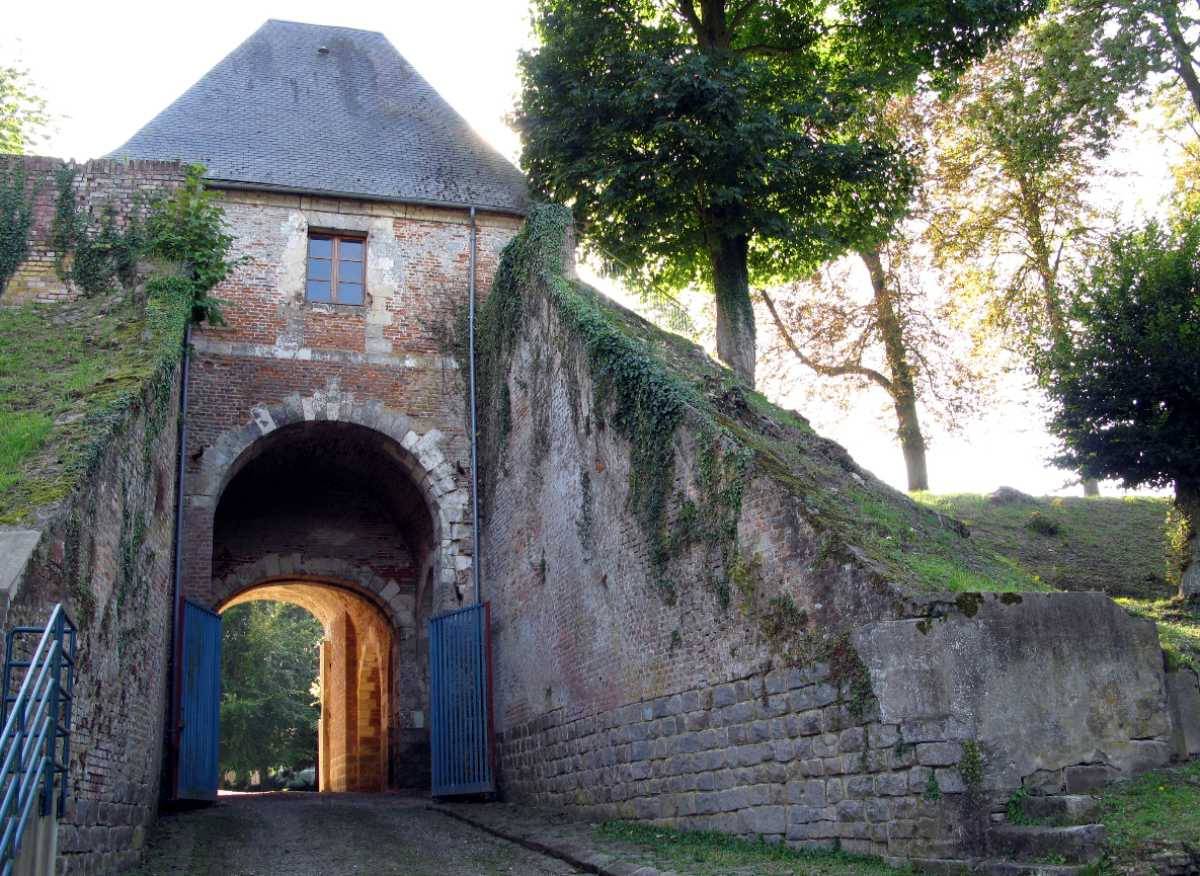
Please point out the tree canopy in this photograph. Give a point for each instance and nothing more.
(1017, 144)
(268, 668)
(1126, 379)
(715, 143)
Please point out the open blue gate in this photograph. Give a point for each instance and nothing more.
(460, 694)
(200, 704)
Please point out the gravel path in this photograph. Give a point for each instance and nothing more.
(301, 834)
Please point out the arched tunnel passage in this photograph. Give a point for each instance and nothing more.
(353, 670)
(330, 516)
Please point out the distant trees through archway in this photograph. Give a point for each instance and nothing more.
(270, 696)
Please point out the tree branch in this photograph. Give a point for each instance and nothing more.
(848, 369)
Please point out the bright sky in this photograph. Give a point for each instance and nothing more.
(107, 68)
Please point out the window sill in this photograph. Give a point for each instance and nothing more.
(334, 308)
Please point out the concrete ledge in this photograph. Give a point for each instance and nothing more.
(16, 547)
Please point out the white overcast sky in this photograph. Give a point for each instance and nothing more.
(108, 68)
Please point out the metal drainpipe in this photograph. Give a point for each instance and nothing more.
(177, 586)
(475, 559)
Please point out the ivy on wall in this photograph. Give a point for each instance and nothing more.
(185, 227)
(16, 218)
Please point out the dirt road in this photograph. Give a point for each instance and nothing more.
(297, 834)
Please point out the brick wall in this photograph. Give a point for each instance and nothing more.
(117, 587)
(99, 185)
(613, 697)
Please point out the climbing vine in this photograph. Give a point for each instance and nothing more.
(638, 395)
(16, 217)
(185, 227)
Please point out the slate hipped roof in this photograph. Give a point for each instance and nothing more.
(317, 109)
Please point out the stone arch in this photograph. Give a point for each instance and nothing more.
(420, 454)
(420, 468)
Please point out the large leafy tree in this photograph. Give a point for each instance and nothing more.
(719, 142)
(1017, 145)
(268, 668)
(1126, 379)
(22, 111)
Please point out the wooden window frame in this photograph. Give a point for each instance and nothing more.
(336, 238)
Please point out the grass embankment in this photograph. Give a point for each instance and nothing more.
(67, 372)
(703, 853)
(1119, 546)
(1156, 811)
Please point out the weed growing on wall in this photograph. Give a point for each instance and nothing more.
(185, 228)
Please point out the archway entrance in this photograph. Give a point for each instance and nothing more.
(326, 515)
(353, 679)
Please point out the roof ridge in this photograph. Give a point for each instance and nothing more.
(325, 26)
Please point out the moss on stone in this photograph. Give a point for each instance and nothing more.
(82, 367)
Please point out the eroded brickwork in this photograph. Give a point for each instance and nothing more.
(774, 691)
(100, 186)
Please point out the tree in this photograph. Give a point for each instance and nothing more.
(1136, 40)
(894, 340)
(22, 111)
(268, 668)
(1017, 145)
(716, 142)
(1126, 379)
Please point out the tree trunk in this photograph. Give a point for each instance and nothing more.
(1187, 501)
(1056, 325)
(903, 386)
(735, 314)
(1182, 52)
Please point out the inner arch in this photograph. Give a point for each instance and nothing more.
(352, 734)
(327, 516)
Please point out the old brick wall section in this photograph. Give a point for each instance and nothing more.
(99, 185)
(612, 698)
(108, 556)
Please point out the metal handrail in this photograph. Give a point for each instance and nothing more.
(35, 744)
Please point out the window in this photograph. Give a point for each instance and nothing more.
(336, 266)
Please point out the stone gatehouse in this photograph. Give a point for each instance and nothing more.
(703, 614)
(327, 440)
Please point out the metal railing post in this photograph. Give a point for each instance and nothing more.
(51, 765)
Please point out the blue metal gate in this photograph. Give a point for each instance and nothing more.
(200, 704)
(461, 732)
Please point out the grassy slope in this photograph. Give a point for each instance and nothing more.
(1118, 545)
(855, 513)
(67, 372)
(1155, 811)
